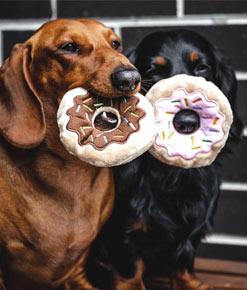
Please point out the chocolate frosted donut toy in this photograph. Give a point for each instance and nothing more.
(193, 118)
(105, 131)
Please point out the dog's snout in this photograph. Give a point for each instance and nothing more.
(186, 121)
(125, 79)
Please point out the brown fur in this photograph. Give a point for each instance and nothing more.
(187, 281)
(194, 57)
(160, 61)
(52, 204)
(133, 283)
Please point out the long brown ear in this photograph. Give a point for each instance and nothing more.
(22, 120)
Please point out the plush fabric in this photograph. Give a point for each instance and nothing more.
(186, 90)
(113, 153)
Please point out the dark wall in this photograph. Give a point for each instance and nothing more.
(223, 22)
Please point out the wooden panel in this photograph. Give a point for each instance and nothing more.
(221, 267)
(224, 281)
(219, 274)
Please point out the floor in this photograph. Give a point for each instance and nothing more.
(220, 274)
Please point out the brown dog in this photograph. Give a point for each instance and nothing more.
(52, 204)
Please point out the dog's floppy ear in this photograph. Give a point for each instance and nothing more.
(22, 120)
(131, 55)
(226, 81)
(225, 76)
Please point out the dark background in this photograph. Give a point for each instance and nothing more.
(223, 22)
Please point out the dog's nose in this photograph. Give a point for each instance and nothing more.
(125, 79)
(186, 121)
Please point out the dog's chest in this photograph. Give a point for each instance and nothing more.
(50, 242)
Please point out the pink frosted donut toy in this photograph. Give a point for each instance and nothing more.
(193, 119)
(105, 131)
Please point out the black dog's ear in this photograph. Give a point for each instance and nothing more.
(131, 55)
(225, 77)
(226, 80)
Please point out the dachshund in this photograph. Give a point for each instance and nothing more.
(162, 212)
(52, 204)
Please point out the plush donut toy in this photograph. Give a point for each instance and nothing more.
(105, 131)
(193, 118)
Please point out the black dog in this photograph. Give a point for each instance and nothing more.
(162, 212)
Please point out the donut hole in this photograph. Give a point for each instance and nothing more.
(106, 119)
(186, 121)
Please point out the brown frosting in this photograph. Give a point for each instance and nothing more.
(81, 115)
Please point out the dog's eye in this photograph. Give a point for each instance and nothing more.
(202, 69)
(69, 47)
(116, 44)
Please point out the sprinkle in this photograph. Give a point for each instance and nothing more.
(105, 139)
(78, 108)
(197, 108)
(215, 131)
(111, 102)
(170, 135)
(186, 102)
(125, 101)
(132, 126)
(82, 131)
(193, 141)
(208, 141)
(87, 100)
(87, 116)
(197, 100)
(127, 109)
(119, 136)
(126, 120)
(98, 105)
(91, 137)
(99, 135)
(87, 127)
(215, 120)
(175, 101)
(134, 114)
(169, 124)
(163, 135)
(170, 113)
(210, 107)
(198, 147)
(169, 145)
(88, 108)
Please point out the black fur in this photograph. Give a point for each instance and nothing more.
(175, 206)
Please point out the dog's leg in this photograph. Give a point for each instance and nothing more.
(78, 278)
(186, 281)
(134, 283)
(78, 281)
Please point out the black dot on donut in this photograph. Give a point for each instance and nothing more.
(106, 121)
(186, 121)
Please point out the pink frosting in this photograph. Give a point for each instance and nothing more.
(202, 140)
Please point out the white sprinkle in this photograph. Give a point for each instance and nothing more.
(78, 108)
(126, 120)
(132, 126)
(105, 139)
(99, 135)
(87, 116)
